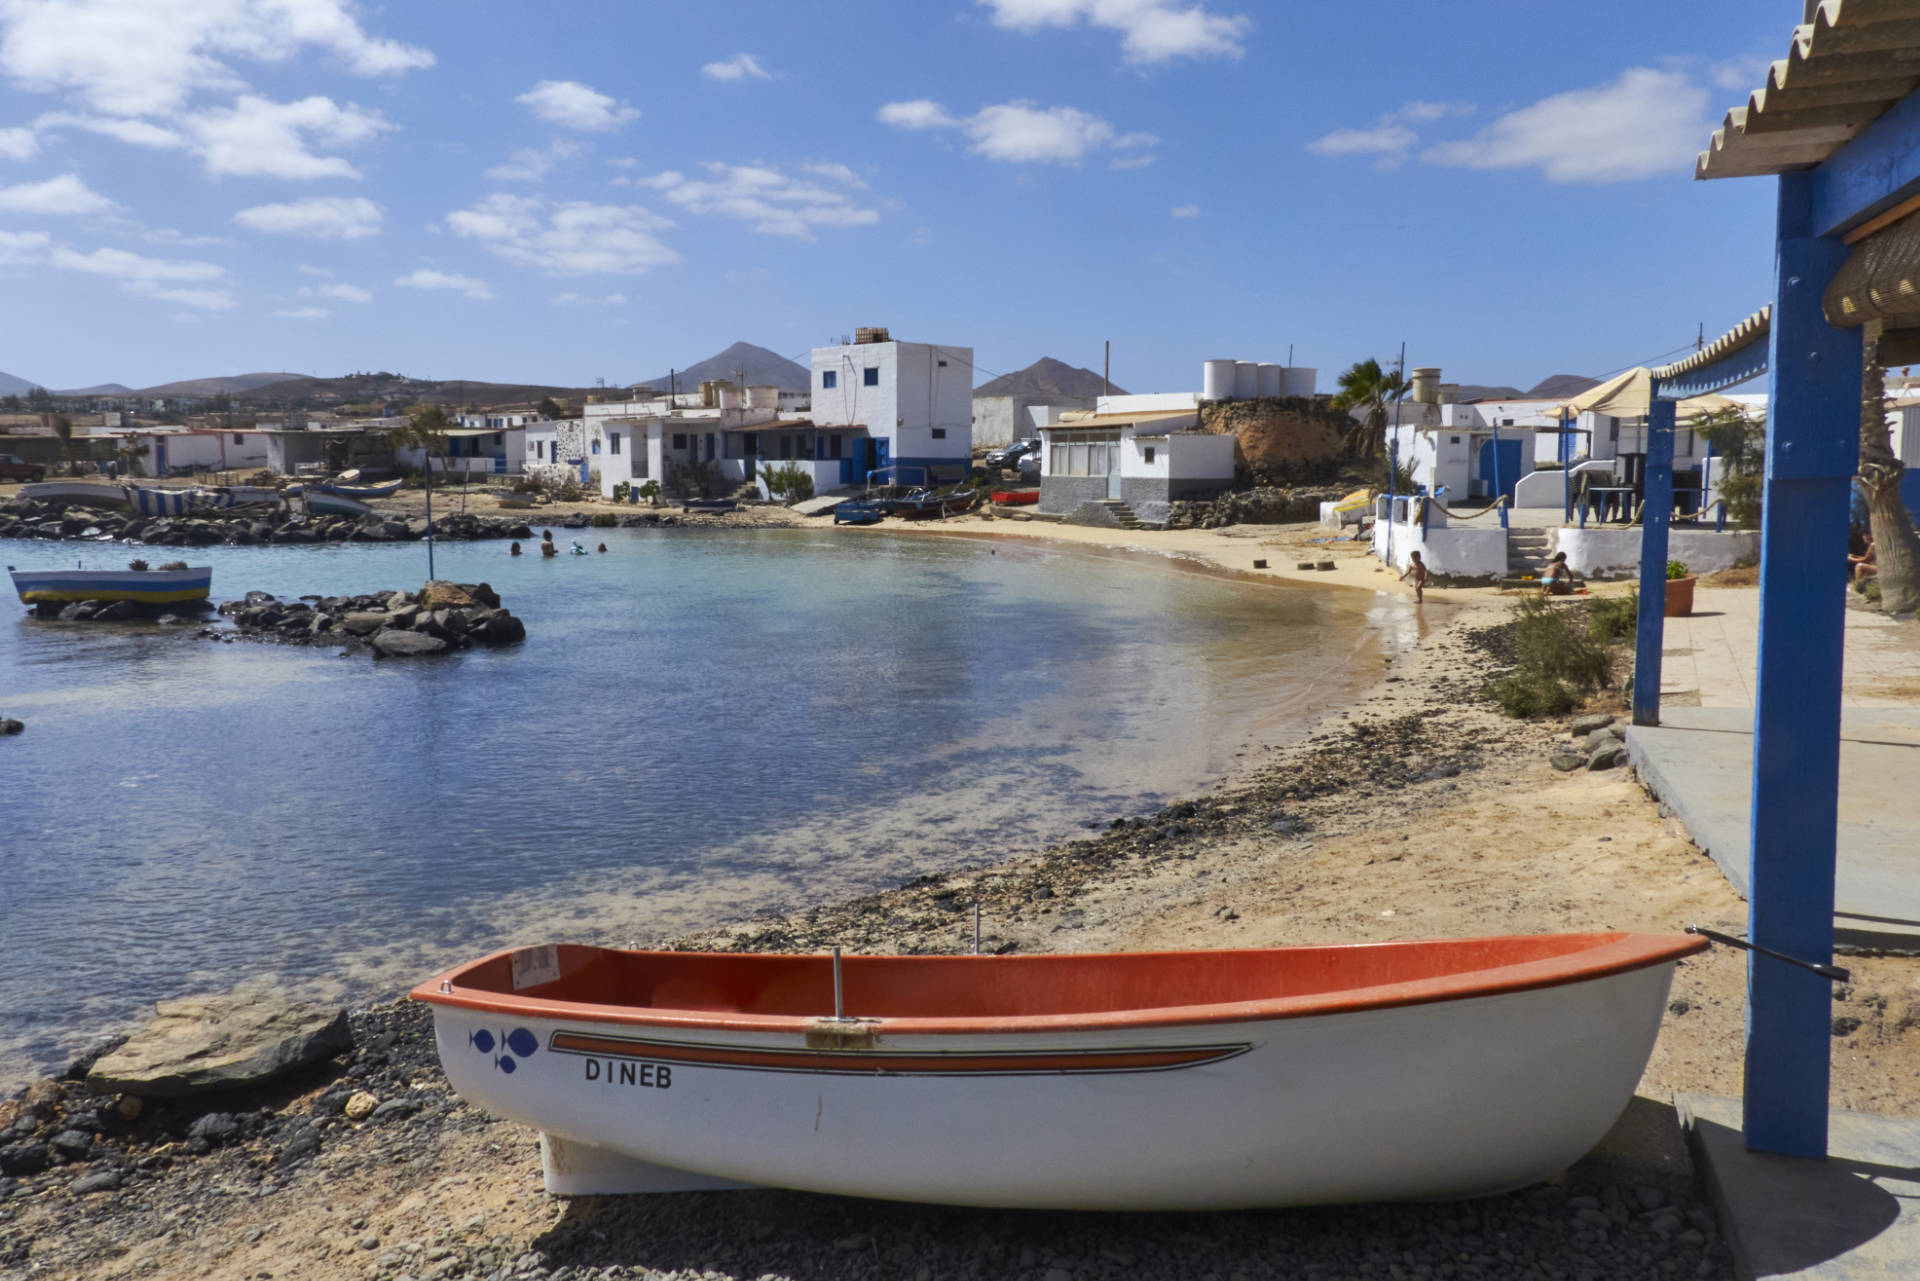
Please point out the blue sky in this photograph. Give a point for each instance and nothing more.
(603, 190)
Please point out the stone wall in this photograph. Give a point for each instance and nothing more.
(1283, 440)
(1060, 495)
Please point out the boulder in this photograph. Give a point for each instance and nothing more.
(199, 1044)
(8, 726)
(395, 643)
(360, 1105)
(1612, 755)
(498, 627)
(402, 616)
(441, 594)
(363, 623)
(1567, 762)
(1581, 726)
(118, 611)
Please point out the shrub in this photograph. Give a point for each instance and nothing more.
(1676, 569)
(1613, 618)
(1558, 662)
(1739, 437)
(788, 483)
(173, 565)
(603, 520)
(622, 491)
(650, 492)
(137, 566)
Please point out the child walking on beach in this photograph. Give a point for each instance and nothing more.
(1417, 570)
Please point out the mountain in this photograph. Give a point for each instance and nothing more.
(1562, 386)
(104, 389)
(1474, 391)
(11, 386)
(758, 365)
(1047, 379)
(214, 386)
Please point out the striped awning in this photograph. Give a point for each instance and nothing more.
(1846, 67)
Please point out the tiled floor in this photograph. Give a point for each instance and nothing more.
(1708, 658)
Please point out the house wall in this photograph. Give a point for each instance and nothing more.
(1451, 551)
(994, 418)
(1615, 553)
(1060, 495)
(1541, 490)
(1147, 402)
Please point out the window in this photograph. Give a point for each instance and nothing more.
(833, 445)
(710, 446)
(1076, 460)
(939, 433)
(1453, 440)
(1149, 453)
(829, 379)
(786, 445)
(679, 440)
(596, 446)
(871, 376)
(750, 444)
(613, 442)
(943, 364)
(539, 450)
(238, 439)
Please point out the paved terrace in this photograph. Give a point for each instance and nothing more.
(1700, 759)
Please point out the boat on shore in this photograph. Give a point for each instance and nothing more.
(516, 501)
(142, 587)
(345, 489)
(75, 491)
(923, 504)
(859, 511)
(709, 505)
(322, 503)
(181, 502)
(1130, 1081)
(1015, 497)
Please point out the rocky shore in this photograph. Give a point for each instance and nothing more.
(440, 617)
(21, 518)
(1376, 826)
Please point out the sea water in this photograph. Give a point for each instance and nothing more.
(700, 725)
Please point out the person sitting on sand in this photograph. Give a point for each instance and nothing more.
(1417, 570)
(1558, 580)
(514, 550)
(1864, 565)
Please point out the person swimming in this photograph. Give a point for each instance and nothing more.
(514, 550)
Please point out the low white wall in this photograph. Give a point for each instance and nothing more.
(1539, 490)
(1451, 551)
(1615, 553)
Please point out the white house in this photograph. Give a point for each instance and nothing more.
(714, 448)
(1001, 420)
(163, 453)
(1144, 459)
(904, 405)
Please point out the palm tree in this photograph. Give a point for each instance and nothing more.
(425, 429)
(1367, 386)
(1896, 550)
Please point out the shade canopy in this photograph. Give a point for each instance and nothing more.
(1630, 395)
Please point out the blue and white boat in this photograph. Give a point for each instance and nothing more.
(344, 489)
(180, 502)
(323, 503)
(142, 587)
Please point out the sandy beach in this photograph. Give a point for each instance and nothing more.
(1418, 811)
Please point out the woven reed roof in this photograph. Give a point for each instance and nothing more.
(1753, 329)
(1847, 66)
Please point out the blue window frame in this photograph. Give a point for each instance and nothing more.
(829, 379)
(871, 376)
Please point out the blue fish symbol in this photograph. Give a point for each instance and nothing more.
(481, 1041)
(505, 1063)
(522, 1042)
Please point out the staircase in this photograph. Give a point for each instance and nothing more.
(1122, 514)
(1528, 552)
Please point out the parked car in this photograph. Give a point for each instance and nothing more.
(1012, 454)
(14, 468)
(1029, 466)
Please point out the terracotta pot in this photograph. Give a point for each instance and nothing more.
(1680, 596)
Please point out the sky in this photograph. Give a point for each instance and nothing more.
(583, 191)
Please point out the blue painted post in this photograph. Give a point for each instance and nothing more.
(1813, 445)
(1566, 469)
(1656, 513)
(1393, 466)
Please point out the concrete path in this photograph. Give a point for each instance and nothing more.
(1851, 1217)
(1708, 659)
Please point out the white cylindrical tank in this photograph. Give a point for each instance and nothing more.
(1449, 393)
(1426, 385)
(1299, 381)
(763, 396)
(1246, 380)
(729, 395)
(1272, 378)
(1216, 380)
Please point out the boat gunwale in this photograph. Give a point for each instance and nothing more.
(1614, 953)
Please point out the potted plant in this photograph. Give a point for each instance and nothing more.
(1679, 590)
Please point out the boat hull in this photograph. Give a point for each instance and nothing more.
(153, 587)
(75, 491)
(385, 489)
(1440, 1099)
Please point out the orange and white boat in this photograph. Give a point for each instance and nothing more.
(1127, 1081)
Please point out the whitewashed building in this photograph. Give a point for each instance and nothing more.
(904, 405)
(1143, 458)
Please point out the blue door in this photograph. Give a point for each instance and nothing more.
(1509, 470)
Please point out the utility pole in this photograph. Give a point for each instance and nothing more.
(1106, 372)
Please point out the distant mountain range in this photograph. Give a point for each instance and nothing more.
(757, 365)
(1049, 379)
(11, 386)
(1562, 385)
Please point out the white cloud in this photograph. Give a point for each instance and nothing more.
(738, 67)
(1137, 148)
(1390, 139)
(572, 105)
(531, 164)
(148, 57)
(1020, 132)
(1186, 211)
(304, 313)
(1739, 75)
(205, 299)
(321, 217)
(166, 279)
(23, 246)
(583, 300)
(771, 202)
(426, 278)
(918, 114)
(258, 137)
(839, 173)
(623, 162)
(18, 143)
(170, 236)
(306, 269)
(343, 292)
(1151, 30)
(63, 195)
(122, 265)
(137, 133)
(566, 238)
(1642, 123)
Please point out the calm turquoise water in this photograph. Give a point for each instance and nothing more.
(699, 725)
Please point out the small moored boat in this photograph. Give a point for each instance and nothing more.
(1015, 497)
(142, 587)
(1130, 1081)
(858, 511)
(342, 488)
(321, 503)
(82, 492)
(922, 504)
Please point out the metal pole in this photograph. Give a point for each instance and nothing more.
(1393, 449)
(1813, 446)
(1106, 371)
(976, 929)
(1566, 468)
(839, 1005)
(1656, 511)
(429, 461)
(1496, 472)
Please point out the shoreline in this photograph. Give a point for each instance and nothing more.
(1412, 810)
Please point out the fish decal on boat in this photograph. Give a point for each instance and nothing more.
(520, 1041)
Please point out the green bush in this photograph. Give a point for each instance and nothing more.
(621, 492)
(650, 492)
(602, 520)
(1739, 437)
(1613, 618)
(788, 483)
(1558, 662)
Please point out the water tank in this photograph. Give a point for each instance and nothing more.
(728, 395)
(1449, 393)
(1426, 385)
(1246, 380)
(763, 396)
(1272, 379)
(1298, 380)
(1216, 380)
